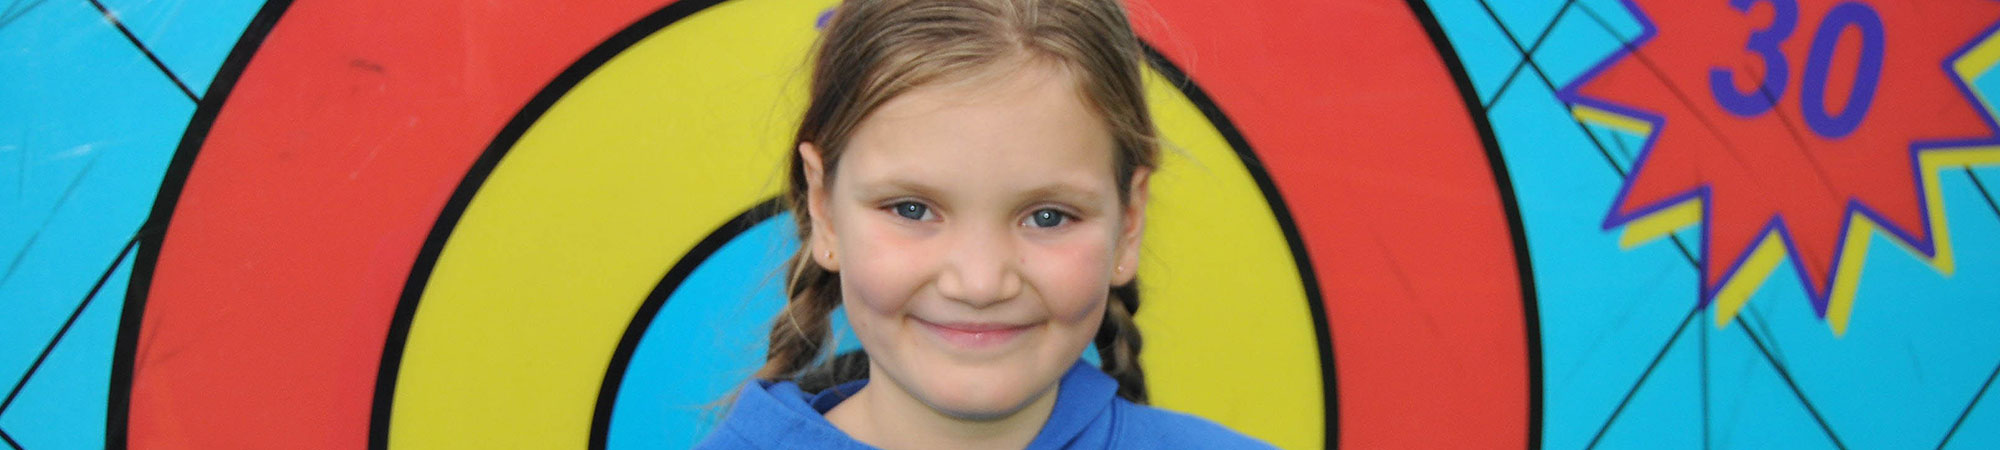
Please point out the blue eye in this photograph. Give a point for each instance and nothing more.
(1047, 218)
(911, 210)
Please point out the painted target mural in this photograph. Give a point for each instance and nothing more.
(1463, 223)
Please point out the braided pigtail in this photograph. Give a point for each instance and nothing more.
(1118, 343)
(801, 332)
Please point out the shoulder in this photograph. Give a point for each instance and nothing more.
(754, 407)
(1141, 426)
(775, 415)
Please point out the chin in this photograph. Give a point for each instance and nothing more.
(982, 394)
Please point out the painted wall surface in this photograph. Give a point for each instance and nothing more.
(1401, 224)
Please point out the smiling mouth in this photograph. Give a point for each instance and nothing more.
(974, 335)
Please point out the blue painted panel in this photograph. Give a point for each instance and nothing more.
(1750, 405)
(707, 340)
(1605, 312)
(63, 406)
(89, 127)
(1665, 411)
(1575, 44)
(1480, 44)
(1981, 428)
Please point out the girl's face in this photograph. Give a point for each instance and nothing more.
(976, 227)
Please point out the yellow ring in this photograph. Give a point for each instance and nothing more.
(584, 215)
(688, 127)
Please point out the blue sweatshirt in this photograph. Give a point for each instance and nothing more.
(1088, 415)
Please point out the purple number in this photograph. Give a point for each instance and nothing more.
(1812, 92)
(1765, 43)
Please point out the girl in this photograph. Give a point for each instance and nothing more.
(970, 184)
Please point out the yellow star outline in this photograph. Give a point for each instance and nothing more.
(1770, 250)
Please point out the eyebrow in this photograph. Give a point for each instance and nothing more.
(1063, 190)
(880, 187)
(1059, 190)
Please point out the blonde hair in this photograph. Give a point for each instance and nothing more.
(874, 50)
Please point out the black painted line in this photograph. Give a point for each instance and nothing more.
(64, 330)
(49, 348)
(1680, 245)
(642, 320)
(1624, 151)
(157, 63)
(1550, 85)
(394, 344)
(11, 14)
(69, 192)
(1777, 353)
(1976, 396)
(1511, 205)
(7, 15)
(1540, 38)
(1679, 95)
(1787, 376)
(9, 439)
(1983, 193)
(1594, 141)
(1641, 382)
(1301, 260)
(153, 233)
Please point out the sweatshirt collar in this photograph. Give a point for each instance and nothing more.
(1085, 395)
(795, 419)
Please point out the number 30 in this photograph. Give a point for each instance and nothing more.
(1812, 95)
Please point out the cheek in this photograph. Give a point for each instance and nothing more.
(882, 269)
(1073, 276)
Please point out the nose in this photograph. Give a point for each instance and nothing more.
(981, 268)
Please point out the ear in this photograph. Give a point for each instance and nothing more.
(824, 242)
(1135, 227)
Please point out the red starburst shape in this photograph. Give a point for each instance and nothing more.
(1790, 118)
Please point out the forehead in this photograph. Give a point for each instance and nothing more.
(1013, 125)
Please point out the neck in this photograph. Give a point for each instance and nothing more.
(884, 415)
